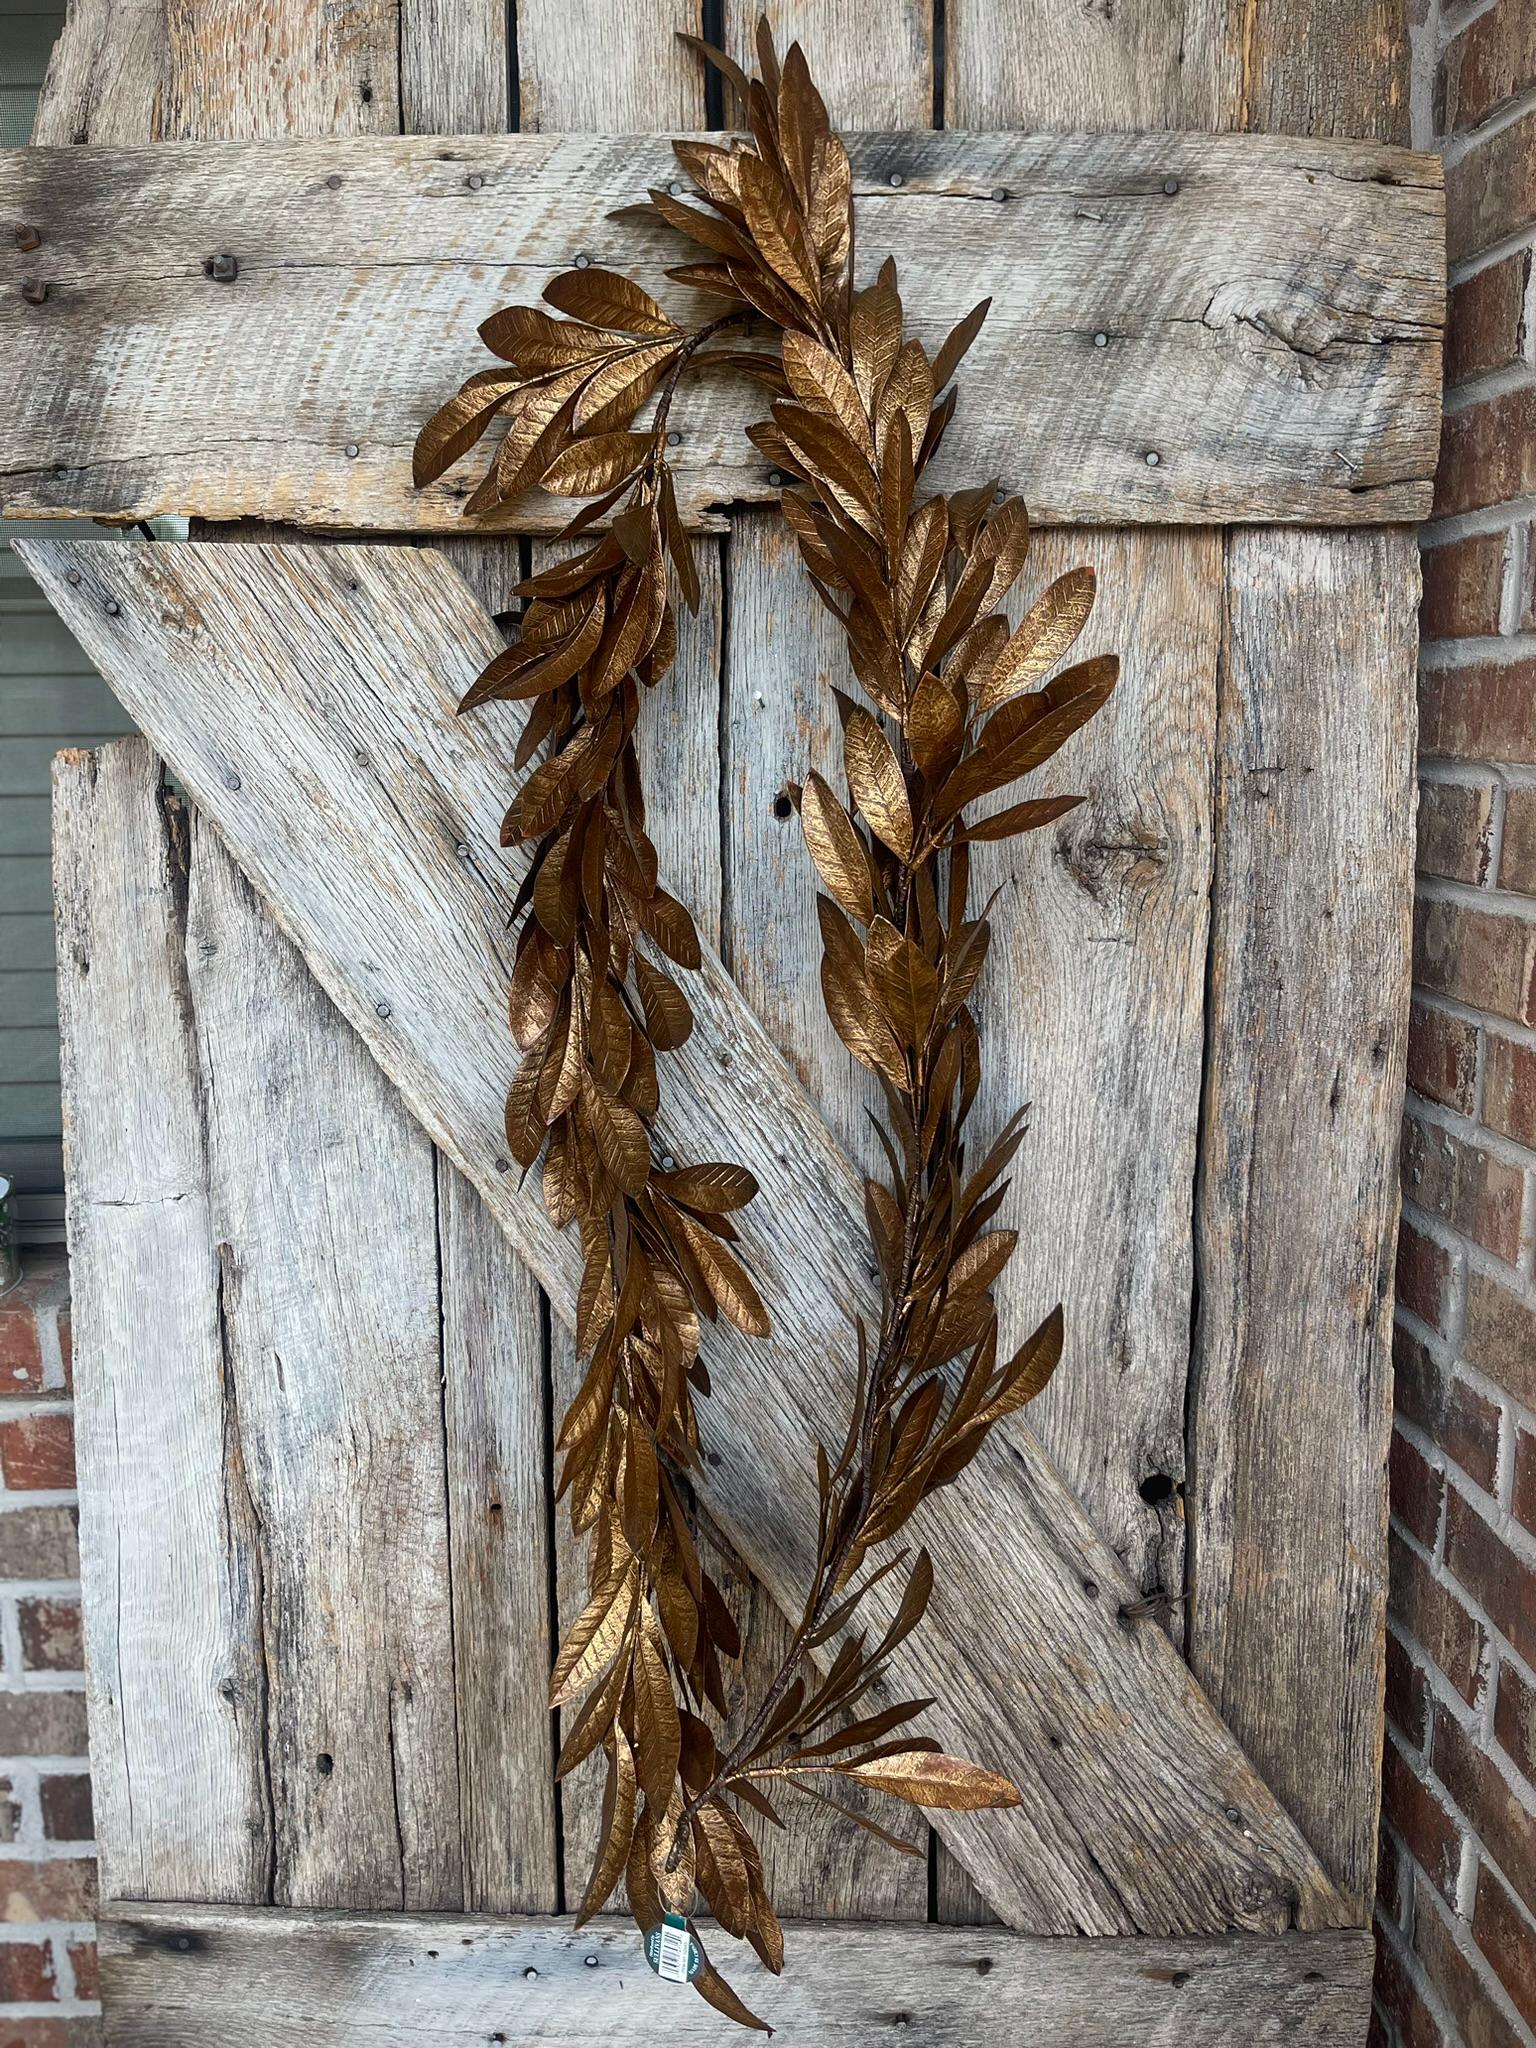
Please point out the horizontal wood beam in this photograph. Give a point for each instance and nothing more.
(254, 1977)
(305, 698)
(1185, 328)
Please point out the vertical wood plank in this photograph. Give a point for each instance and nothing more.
(323, 1208)
(175, 1674)
(872, 59)
(1296, 1224)
(1334, 68)
(1091, 1010)
(678, 742)
(1138, 64)
(613, 66)
(218, 70)
(497, 1431)
(454, 67)
(784, 654)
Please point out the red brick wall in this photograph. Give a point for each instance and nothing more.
(47, 1856)
(1457, 1907)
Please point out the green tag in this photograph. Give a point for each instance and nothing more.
(672, 1951)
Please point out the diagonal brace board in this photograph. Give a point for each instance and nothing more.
(305, 698)
(1185, 328)
(210, 1977)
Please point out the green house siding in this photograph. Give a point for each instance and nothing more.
(49, 698)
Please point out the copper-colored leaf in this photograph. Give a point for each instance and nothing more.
(616, 1828)
(927, 1778)
(607, 299)
(1047, 630)
(737, 1298)
(714, 1188)
(595, 1636)
(840, 855)
(903, 981)
(593, 465)
(659, 1730)
(777, 229)
(455, 427)
(878, 785)
(668, 1017)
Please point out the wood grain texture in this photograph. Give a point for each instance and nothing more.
(177, 1978)
(305, 699)
(1138, 64)
(871, 59)
(613, 65)
(784, 654)
(1271, 326)
(496, 1426)
(175, 1672)
(1296, 1224)
(134, 71)
(1335, 68)
(1092, 1011)
(323, 1211)
(454, 67)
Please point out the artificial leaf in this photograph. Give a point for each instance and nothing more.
(839, 853)
(926, 1778)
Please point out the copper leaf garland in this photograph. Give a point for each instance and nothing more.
(959, 708)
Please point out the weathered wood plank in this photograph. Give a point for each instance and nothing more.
(454, 67)
(176, 1978)
(305, 698)
(133, 71)
(1296, 1225)
(322, 1209)
(784, 653)
(871, 59)
(678, 742)
(610, 65)
(175, 1672)
(1092, 1011)
(1271, 325)
(496, 1422)
(1337, 68)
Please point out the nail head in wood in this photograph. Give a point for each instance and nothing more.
(897, 179)
(34, 290)
(1170, 186)
(28, 237)
(223, 268)
(1152, 458)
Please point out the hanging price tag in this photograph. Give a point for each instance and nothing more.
(672, 1951)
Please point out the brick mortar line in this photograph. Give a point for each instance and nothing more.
(1447, 771)
(1459, 1480)
(1524, 1035)
(1510, 903)
(1481, 1708)
(1479, 1260)
(1482, 650)
(1513, 244)
(1479, 519)
(1461, 1940)
(1464, 142)
(1486, 386)
(1435, 1116)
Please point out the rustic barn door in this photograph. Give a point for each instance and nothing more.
(317, 1654)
